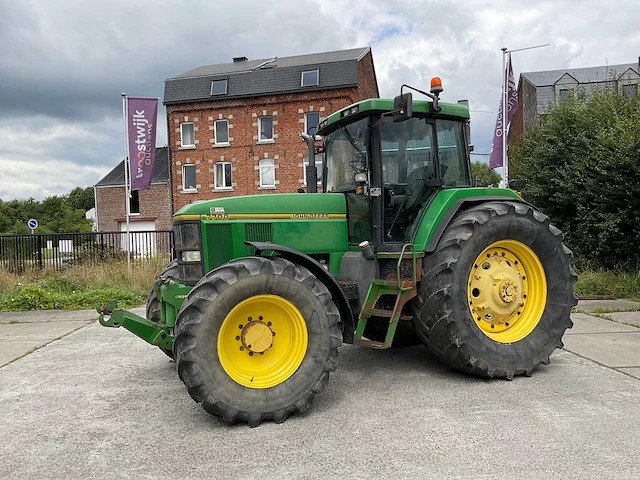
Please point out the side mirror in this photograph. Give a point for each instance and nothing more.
(402, 107)
(513, 183)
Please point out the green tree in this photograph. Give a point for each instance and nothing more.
(482, 176)
(81, 198)
(581, 166)
(55, 214)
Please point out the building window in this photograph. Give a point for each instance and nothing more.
(219, 87)
(189, 178)
(311, 121)
(187, 137)
(222, 175)
(221, 132)
(134, 203)
(318, 168)
(310, 78)
(265, 129)
(564, 94)
(629, 90)
(267, 173)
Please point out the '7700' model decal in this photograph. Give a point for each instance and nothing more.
(240, 216)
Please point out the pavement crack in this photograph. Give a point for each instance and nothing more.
(29, 352)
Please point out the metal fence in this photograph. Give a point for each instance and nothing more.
(57, 250)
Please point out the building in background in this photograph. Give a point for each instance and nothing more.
(538, 90)
(234, 128)
(150, 209)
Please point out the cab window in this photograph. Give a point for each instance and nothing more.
(452, 153)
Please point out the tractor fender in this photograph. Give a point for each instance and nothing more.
(462, 203)
(321, 274)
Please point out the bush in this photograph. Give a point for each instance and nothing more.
(581, 166)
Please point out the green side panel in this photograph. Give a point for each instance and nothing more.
(330, 203)
(386, 105)
(443, 201)
(224, 240)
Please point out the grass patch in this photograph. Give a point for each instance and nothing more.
(77, 287)
(606, 282)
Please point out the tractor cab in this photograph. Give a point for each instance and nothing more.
(390, 165)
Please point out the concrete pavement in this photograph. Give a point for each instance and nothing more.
(100, 403)
(24, 332)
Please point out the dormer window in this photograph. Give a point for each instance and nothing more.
(219, 87)
(310, 78)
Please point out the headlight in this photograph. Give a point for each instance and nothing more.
(191, 256)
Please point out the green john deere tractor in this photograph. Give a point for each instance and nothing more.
(398, 249)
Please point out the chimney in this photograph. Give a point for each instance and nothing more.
(239, 59)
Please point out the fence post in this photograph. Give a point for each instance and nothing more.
(39, 247)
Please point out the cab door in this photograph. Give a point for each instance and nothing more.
(347, 160)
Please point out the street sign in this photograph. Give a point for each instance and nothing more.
(32, 223)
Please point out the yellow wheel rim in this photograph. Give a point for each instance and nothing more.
(507, 291)
(262, 341)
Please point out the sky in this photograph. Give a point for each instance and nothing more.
(64, 64)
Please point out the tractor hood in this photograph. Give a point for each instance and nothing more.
(283, 206)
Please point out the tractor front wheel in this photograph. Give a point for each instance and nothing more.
(256, 339)
(496, 294)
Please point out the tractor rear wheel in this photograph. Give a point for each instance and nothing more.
(153, 303)
(496, 294)
(256, 339)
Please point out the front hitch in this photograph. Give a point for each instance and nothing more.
(147, 330)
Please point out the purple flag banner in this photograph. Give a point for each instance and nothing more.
(495, 158)
(142, 114)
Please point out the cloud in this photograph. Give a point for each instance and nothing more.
(64, 64)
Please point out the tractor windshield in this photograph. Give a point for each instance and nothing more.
(345, 152)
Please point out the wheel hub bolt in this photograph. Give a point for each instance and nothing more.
(486, 265)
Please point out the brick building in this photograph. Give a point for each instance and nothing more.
(234, 128)
(150, 209)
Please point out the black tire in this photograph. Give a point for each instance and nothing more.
(153, 304)
(203, 313)
(441, 314)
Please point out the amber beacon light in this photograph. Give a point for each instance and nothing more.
(436, 85)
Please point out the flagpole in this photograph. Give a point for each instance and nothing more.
(505, 175)
(505, 107)
(127, 194)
